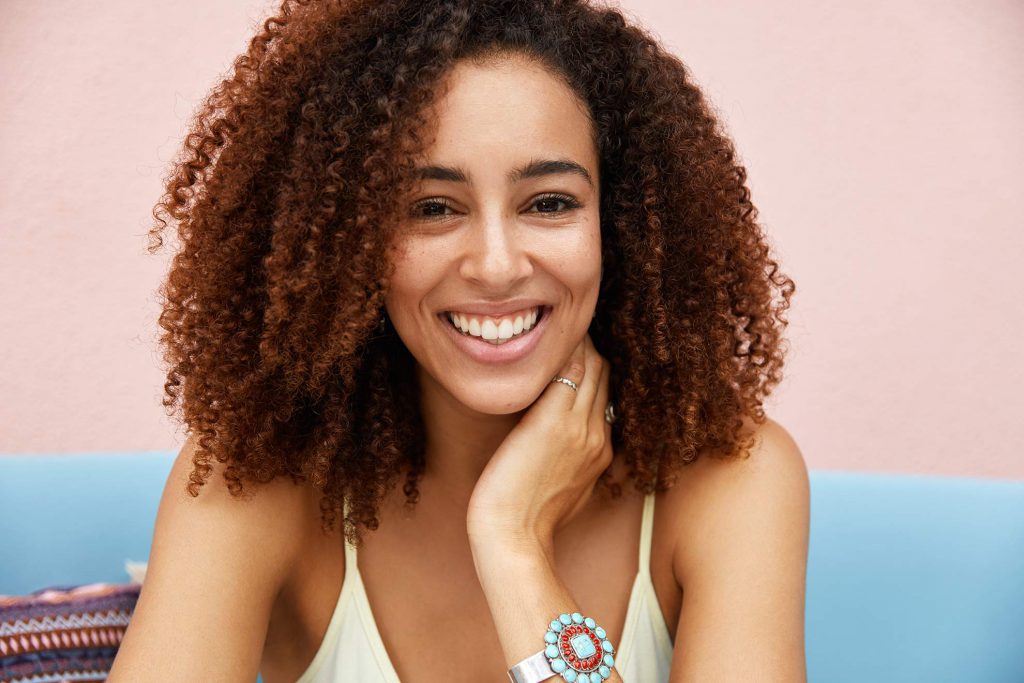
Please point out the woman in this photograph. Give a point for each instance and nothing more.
(483, 279)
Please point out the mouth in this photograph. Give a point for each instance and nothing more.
(496, 331)
(497, 340)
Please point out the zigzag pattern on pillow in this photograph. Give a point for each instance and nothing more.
(64, 633)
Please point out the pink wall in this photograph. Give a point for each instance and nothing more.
(885, 153)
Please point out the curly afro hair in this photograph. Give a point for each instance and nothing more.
(284, 202)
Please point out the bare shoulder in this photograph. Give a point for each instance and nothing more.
(704, 491)
(216, 565)
(741, 528)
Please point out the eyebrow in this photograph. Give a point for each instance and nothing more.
(534, 169)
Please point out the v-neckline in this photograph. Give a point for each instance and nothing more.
(387, 667)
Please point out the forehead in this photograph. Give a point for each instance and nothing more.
(492, 116)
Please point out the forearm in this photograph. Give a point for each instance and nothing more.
(524, 594)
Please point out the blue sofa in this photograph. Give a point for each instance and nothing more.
(910, 578)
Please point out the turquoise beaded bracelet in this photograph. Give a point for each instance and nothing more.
(576, 648)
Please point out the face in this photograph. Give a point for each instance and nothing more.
(504, 227)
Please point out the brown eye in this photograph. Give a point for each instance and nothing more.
(552, 200)
(430, 209)
(435, 208)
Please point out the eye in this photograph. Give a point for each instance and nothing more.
(434, 205)
(550, 199)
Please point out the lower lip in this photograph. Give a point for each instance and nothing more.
(486, 352)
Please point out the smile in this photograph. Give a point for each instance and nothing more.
(492, 340)
(496, 331)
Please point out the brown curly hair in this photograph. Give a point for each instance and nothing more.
(285, 198)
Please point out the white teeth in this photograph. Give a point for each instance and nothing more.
(491, 331)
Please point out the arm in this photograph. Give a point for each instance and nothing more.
(741, 556)
(216, 565)
(524, 594)
(543, 472)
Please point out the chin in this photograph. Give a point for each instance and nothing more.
(487, 399)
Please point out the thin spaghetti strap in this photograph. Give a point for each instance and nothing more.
(350, 558)
(646, 529)
(351, 565)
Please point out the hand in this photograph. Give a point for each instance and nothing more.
(545, 470)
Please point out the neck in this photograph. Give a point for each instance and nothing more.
(459, 442)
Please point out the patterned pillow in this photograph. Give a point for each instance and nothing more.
(64, 633)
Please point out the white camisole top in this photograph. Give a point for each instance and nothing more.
(352, 650)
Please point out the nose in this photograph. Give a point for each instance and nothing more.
(495, 255)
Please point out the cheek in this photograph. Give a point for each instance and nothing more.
(576, 263)
(400, 302)
(413, 276)
(417, 271)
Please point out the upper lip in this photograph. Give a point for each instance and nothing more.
(494, 308)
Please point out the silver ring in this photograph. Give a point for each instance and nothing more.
(566, 381)
(609, 413)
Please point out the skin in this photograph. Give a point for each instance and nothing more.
(518, 454)
(495, 242)
(516, 457)
(507, 532)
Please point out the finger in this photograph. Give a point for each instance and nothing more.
(573, 369)
(597, 426)
(600, 404)
(588, 389)
(597, 408)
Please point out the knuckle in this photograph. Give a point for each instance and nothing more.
(583, 436)
(575, 370)
(578, 434)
